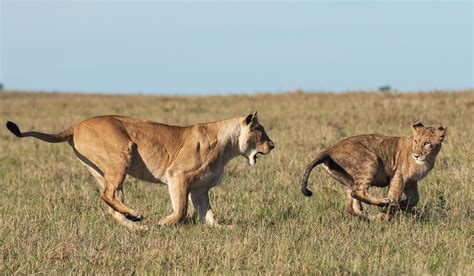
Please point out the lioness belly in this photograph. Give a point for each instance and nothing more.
(138, 169)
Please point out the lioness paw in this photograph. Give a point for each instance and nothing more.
(138, 217)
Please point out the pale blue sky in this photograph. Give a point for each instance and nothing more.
(237, 47)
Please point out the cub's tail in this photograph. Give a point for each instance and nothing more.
(322, 157)
(51, 138)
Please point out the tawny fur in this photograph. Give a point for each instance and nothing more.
(363, 161)
(190, 160)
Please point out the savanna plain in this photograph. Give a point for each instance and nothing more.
(52, 219)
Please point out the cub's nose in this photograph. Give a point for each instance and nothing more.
(272, 146)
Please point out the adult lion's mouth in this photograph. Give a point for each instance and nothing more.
(253, 158)
(256, 155)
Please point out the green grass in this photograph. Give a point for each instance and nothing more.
(52, 219)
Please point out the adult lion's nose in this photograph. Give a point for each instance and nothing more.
(272, 146)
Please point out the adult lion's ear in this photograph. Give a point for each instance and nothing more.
(251, 118)
(255, 117)
(416, 126)
(441, 132)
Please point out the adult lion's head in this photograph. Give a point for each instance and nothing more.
(253, 139)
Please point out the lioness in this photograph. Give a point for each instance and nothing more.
(190, 159)
(375, 160)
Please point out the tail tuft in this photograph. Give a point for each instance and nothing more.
(306, 192)
(14, 129)
(322, 157)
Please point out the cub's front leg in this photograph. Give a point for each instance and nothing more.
(397, 187)
(412, 196)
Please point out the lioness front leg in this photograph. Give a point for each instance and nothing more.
(178, 190)
(200, 200)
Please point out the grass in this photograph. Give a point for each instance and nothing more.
(53, 221)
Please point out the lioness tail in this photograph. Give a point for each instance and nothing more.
(323, 156)
(51, 138)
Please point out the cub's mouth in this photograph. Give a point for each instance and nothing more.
(420, 161)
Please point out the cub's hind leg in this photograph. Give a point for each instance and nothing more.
(364, 173)
(353, 205)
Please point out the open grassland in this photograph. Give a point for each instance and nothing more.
(53, 220)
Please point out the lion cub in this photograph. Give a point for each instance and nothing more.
(375, 160)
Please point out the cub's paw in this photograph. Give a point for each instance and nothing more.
(389, 202)
(143, 228)
(383, 217)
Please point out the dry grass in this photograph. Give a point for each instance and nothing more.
(52, 219)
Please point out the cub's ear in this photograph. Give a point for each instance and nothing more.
(251, 118)
(416, 126)
(441, 132)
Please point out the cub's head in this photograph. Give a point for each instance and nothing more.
(253, 139)
(426, 142)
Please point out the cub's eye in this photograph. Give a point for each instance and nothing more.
(426, 144)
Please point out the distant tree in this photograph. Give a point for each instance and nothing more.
(1, 85)
(385, 88)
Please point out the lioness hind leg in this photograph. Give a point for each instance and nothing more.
(118, 217)
(178, 190)
(122, 219)
(109, 169)
(111, 194)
